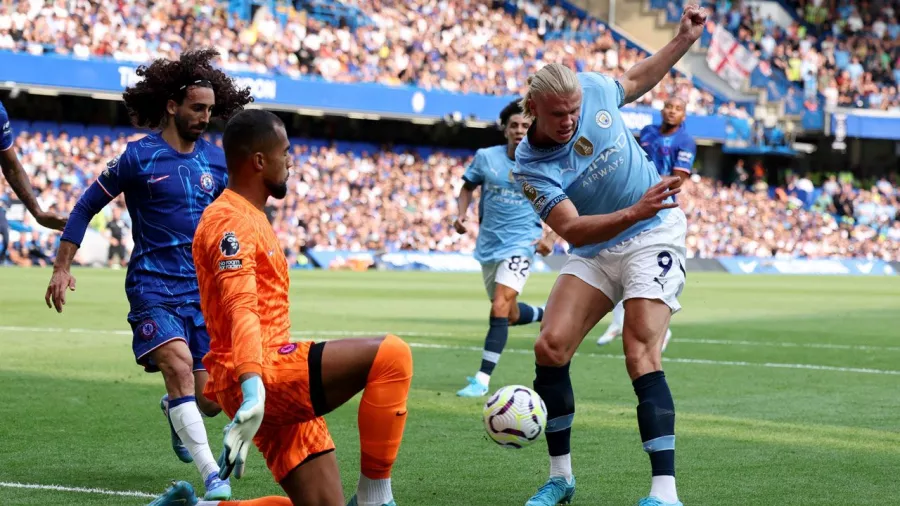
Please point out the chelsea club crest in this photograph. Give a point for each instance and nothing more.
(207, 183)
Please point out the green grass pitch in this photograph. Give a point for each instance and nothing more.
(786, 391)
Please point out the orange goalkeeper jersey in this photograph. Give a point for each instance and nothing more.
(243, 278)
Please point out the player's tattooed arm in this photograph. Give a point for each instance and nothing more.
(580, 230)
(646, 74)
(18, 180)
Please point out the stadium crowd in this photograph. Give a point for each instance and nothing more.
(846, 51)
(465, 46)
(393, 201)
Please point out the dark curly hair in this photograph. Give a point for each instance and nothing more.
(167, 79)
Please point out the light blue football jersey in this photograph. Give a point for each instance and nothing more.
(602, 169)
(508, 224)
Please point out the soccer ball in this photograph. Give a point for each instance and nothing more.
(515, 416)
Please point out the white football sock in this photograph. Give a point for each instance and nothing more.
(189, 426)
(373, 492)
(208, 503)
(483, 378)
(663, 487)
(619, 316)
(561, 466)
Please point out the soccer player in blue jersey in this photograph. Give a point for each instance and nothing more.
(168, 178)
(591, 182)
(18, 181)
(672, 150)
(509, 234)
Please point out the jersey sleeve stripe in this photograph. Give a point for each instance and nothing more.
(104, 189)
(550, 205)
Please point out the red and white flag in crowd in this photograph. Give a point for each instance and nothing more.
(729, 59)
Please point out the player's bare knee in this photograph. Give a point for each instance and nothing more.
(550, 349)
(178, 374)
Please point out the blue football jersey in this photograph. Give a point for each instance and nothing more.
(508, 224)
(669, 153)
(602, 169)
(165, 193)
(6, 133)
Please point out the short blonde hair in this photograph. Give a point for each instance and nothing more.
(553, 79)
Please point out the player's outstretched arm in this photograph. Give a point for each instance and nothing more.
(580, 230)
(462, 205)
(646, 74)
(91, 202)
(18, 180)
(226, 246)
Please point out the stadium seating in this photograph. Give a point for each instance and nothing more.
(389, 42)
(408, 198)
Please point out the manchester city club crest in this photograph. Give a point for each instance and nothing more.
(584, 147)
(229, 246)
(207, 183)
(604, 119)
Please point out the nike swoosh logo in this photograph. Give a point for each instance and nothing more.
(157, 179)
(401, 413)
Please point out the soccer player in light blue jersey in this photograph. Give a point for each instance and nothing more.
(591, 182)
(509, 234)
(168, 178)
(672, 150)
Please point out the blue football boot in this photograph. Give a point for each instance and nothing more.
(180, 493)
(555, 491)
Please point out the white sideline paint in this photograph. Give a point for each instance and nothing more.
(60, 488)
(339, 333)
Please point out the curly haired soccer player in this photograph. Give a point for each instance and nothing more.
(276, 391)
(168, 178)
(591, 182)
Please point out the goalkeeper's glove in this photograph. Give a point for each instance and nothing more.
(239, 433)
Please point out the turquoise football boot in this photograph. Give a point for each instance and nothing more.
(555, 491)
(180, 493)
(354, 503)
(655, 501)
(473, 389)
(217, 489)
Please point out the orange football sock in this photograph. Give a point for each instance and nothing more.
(382, 411)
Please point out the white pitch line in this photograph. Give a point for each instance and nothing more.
(339, 333)
(733, 363)
(60, 488)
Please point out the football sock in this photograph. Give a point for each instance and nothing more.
(554, 386)
(382, 410)
(375, 492)
(494, 342)
(656, 421)
(188, 424)
(529, 314)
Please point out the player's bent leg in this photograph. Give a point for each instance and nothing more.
(317, 481)
(176, 365)
(207, 407)
(574, 307)
(383, 368)
(646, 323)
(502, 307)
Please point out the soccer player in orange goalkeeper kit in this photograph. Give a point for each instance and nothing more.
(275, 391)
